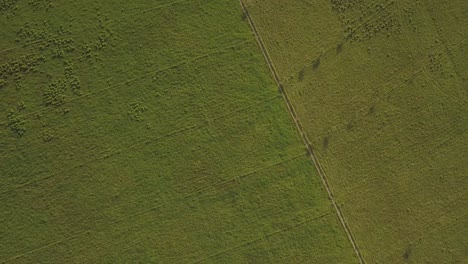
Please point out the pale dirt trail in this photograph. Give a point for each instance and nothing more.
(302, 133)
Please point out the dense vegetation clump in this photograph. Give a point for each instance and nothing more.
(72, 79)
(16, 124)
(341, 6)
(92, 49)
(41, 4)
(55, 40)
(54, 94)
(24, 65)
(3, 83)
(363, 21)
(47, 136)
(7, 5)
(136, 111)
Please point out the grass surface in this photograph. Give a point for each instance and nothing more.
(150, 132)
(380, 87)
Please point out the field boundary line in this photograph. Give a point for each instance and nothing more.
(298, 125)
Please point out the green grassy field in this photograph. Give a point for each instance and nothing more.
(150, 132)
(381, 90)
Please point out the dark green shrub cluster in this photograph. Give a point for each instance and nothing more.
(72, 79)
(61, 46)
(19, 86)
(7, 5)
(3, 83)
(57, 53)
(58, 41)
(54, 94)
(47, 136)
(16, 124)
(435, 62)
(386, 24)
(103, 36)
(91, 50)
(27, 34)
(17, 68)
(136, 111)
(87, 52)
(410, 16)
(362, 22)
(20, 106)
(341, 6)
(41, 4)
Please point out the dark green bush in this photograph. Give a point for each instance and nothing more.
(54, 94)
(16, 124)
(136, 111)
(3, 83)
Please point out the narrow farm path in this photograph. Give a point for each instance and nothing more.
(304, 137)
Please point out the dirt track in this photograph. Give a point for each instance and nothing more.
(301, 132)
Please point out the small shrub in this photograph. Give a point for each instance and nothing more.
(18, 68)
(87, 52)
(136, 111)
(19, 86)
(58, 53)
(54, 94)
(47, 136)
(7, 5)
(339, 48)
(21, 106)
(40, 4)
(72, 79)
(407, 254)
(3, 83)
(325, 143)
(301, 75)
(316, 64)
(16, 124)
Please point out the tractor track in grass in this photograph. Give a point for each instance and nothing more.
(253, 241)
(300, 129)
(157, 207)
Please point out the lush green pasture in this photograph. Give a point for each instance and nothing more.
(381, 89)
(150, 132)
